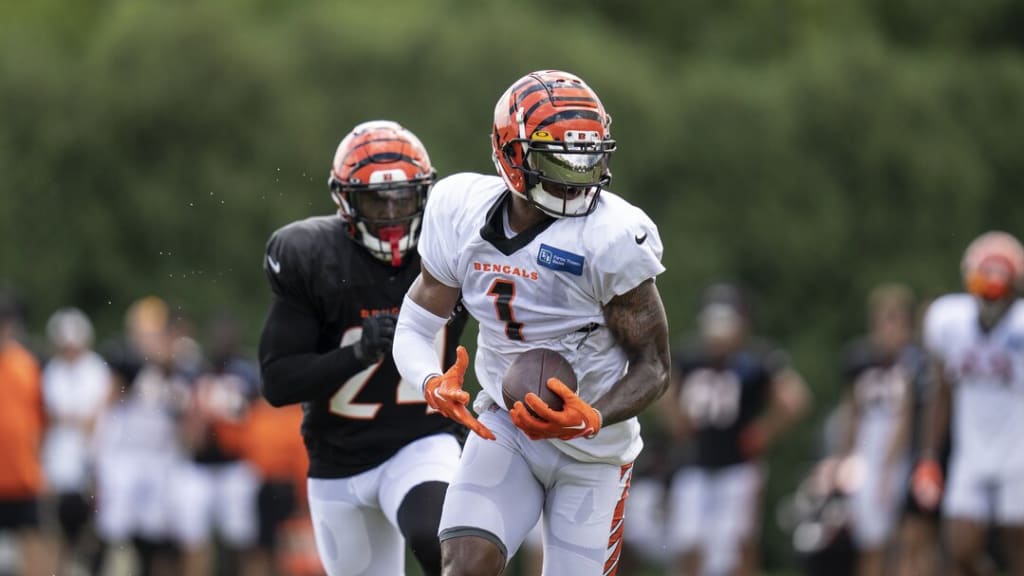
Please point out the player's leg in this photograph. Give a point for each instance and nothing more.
(687, 517)
(412, 493)
(918, 538)
(193, 493)
(584, 517)
(493, 501)
(235, 512)
(734, 500)
(966, 508)
(1010, 520)
(871, 517)
(353, 537)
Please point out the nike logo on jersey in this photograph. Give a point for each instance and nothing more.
(274, 264)
(640, 239)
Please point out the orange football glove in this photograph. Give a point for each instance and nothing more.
(926, 483)
(445, 394)
(575, 420)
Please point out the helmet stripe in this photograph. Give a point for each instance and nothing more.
(562, 99)
(569, 115)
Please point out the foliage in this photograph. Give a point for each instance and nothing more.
(805, 149)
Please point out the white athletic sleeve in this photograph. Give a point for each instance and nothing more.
(413, 347)
(630, 255)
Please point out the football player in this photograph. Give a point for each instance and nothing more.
(215, 488)
(380, 458)
(76, 389)
(543, 256)
(21, 432)
(976, 340)
(731, 396)
(877, 404)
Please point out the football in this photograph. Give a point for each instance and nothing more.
(530, 371)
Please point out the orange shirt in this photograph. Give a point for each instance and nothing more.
(272, 442)
(21, 423)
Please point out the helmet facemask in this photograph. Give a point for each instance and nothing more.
(551, 143)
(380, 179)
(385, 219)
(564, 178)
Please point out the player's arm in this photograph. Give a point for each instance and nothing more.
(936, 424)
(899, 440)
(427, 306)
(927, 481)
(788, 400)
(292, 369)
(850, 419)
(638, 323)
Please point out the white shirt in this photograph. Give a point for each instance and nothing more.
(543, 290)
(987, 371)
(74, 393)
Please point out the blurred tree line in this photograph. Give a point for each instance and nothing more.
(806, 149)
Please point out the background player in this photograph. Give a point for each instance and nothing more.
(976, 341)
(76, 390)
(731, 397)
(215, 489)
(380, 461)
(879, 374)
(21, 430)
(543, 258)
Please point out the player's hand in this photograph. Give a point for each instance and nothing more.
(378, 332)
(926, 483)
(576, 419)
(445, 394)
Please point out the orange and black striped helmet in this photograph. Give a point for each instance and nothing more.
(551, 142)
(993, 266)
(380, 179)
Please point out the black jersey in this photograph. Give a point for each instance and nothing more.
(879, 382)
(324, 286)
(722, 396)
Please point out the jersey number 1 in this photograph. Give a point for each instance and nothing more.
(504, 291)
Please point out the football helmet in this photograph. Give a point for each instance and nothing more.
(551, 143)
(993, 266)
(380, 179)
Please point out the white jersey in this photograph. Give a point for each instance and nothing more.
(987, 371)
(543, 288)
(75, 392)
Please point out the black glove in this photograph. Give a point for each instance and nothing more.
(378, 332)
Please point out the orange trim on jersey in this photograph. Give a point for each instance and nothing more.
(611, 565)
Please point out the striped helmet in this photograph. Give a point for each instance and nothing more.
(379, 179)
(551, 142)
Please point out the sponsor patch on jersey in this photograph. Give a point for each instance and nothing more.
(560, 260)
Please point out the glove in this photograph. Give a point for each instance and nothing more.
(926, 483)
(445, 394)
(378, 332)
(576, 419)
